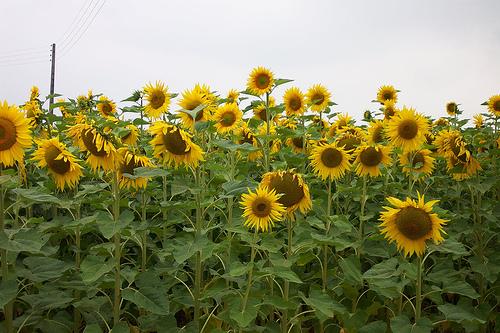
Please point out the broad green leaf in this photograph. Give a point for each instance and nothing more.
(459, 313)
(352, 270)
(143, 302)
(8, 291)
(43, 268)
(243, 318)
(93, 267)
(27, 240)
(121, 327)
(323, 303)
(92, 328)
(374, 327)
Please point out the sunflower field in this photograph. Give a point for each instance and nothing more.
(247, 212)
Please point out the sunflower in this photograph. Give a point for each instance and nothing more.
(452, 108)
(442, 122)
(389, 109)
(261, 208)
(260, 112)
(478, 120)
(343, 120)
(407, 129)
(198, 97)
(158, 99)
(296, 143)
(261, 81)
(450, 141)
(462, 167)
(173, 145)
(15, 135)
(318, 97)
(411, 223)
(101, 153)
(348, 141)
(375, 132)
(128, 163)
(34, 93)
(227, 118)
(494, 105)
(294, 102)
(417, 161)
(61, 164)
(131, 137)
(245, 135)
(33, 112)
(294, 191)
(274, 144)
(106, 107)
(370, 158)
(387, 93)
(329, 161)
(232, 96)
(62, 108)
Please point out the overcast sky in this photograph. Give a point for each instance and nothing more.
(433, 51)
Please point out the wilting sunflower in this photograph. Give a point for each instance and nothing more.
(294, 102)
(261, 81)
(294, 191)
(61, 164)
(227, 118)
(261, 208)
(370, 158)
(15, 135)
(494, 105)
(173, 146)
(389, 109)
(232, 96)
(199, 96)
(478, 120)
(131, 137)
(106, 107)
(329, 161)
(417, 161)
(101, 153)
(128, 163)
(375, 132)
(318, 97)
(158, 99)
(411, 223)
(407, 129)
(452, 108)
(387, 93)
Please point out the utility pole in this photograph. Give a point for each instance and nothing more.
(52, 77)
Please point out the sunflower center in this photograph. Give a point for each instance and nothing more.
(318, 99)
(418, 158)
(349, 143)
(496, 106)
(295, 103)
(389, 112)
(370, 156)
(157, 99)
(174, 143)
(331, 157)
(89, 139)
(261, 113)
(7, 134)
(298, 142)
(414, 223)
(377, 134)
(451, 108)
(247, 138)
(387, 95)
(228, 119)
(59, 166)
(408, 129)
(262, 81)
(261, 207)
(107, 109)
(130, 166)
(289, 187)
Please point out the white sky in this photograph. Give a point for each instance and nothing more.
(433, 51)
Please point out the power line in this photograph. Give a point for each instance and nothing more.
(74, 27)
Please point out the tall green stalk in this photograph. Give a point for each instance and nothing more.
(362, 215)
(418, 296)
(117, 248)
(286, 289)
(250, 273)
(324, 275)
(9, 307)
(198, 267)
(267, 152)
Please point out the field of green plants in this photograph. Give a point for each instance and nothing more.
(256, 210)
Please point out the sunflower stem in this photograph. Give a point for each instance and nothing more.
(144, 247)
(266, 141)
(325, 247)
(250, 273)
(286, 291)
(198, 267)
(9, 307)
(77, 317)
(362, 215)
(418, 296)
(117, 250)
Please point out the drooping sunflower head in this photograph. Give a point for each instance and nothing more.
(260, 110)
(461, 164)
(130, 161)
(369, 159)
(101, 153)
(158, 99)
(292, 188)
(232, 96)
(494, 105)
(442, 122)
(387, 93)
(411, 223)
(407, 129)
(449, 142)
(261, 81)
(61, 164)
(389, 109)
(227, 118)
(15, 135)
(452, 108)
(375, 133)
(173, 146)
(294, 102)
(329, 161)
(343, 120)
(33, 112)
(348, 141)
(478, 120)
(419, 161)
(131, 137)
(261, 209)
(200, 99)
(318, 97)
(106, 107)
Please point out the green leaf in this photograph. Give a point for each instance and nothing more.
(351, 267)
(93, 328)
(8, 291)
(323, 303)
(93, 267)
(279, 82)
(238, 269)
(283, 272)
(243, 318)
(460, 287)
(143, 302)
(121, 327)
(452, 246)
(374, 327)
(27, 240)
(459, 313)
(43, 268)
(401, 324)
